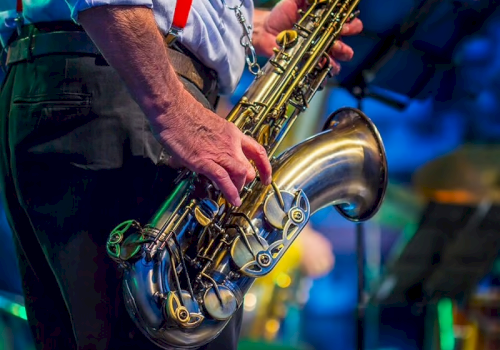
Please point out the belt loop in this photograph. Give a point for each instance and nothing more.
(214, 85)
(31, 44)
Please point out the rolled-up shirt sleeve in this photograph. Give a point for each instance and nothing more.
(77, 6)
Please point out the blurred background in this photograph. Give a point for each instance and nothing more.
(424, 273)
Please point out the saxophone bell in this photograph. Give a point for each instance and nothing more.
(365, 187)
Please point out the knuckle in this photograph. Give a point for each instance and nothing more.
(250, 176)
(240, 171)
(251, 171)
(261, 151)
(220, 174)
(200, 165)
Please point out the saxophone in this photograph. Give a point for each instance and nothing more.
(186, 272)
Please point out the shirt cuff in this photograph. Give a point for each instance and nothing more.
(77, 6)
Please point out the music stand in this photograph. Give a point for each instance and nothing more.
(450, 252)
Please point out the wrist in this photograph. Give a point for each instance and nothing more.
(173, 109)
(163, 97)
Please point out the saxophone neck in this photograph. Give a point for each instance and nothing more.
(344, 166)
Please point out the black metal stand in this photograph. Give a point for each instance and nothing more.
(360, 254)
(361, 307)
(360, 92)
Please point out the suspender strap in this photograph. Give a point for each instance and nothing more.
(181, 14)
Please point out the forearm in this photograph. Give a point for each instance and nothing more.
(129, 39)
(194, 136)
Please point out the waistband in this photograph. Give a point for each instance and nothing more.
(51, 38)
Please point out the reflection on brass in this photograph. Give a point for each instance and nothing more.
(263, 135)
(277, 206)
(205, 212)
(202, 219)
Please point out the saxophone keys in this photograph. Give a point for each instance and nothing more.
(221, 304)
(264, 259)
(221, 202)
(276, 207)
(205, 212)
(250, 253)
(287, 38)
(121, 248)
(264, 135)
(354, 15)
(185, 313)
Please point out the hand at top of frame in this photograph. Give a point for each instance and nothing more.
(268, 24)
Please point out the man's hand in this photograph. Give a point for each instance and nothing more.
(209, 145)
(129, 39)
(268, 24)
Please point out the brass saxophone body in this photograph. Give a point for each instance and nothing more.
(187, 271)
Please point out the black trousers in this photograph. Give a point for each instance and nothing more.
(76, 158)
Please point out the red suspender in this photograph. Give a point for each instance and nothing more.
(181, 14)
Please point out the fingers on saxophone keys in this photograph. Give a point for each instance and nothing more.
(250, 174)
(230, 175)
(341, 51)
(256, 152)
(335, 67)
(223, 181)
(352, 28)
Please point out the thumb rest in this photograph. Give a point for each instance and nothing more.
(187, 271)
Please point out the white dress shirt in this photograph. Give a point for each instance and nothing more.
(212, 32)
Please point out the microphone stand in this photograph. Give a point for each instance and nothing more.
(361, 307)
(358, 93)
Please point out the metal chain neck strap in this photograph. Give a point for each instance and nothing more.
(246, 40)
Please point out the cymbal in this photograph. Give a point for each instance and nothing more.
(467, 176)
